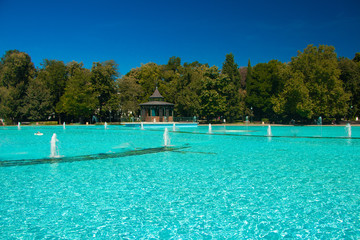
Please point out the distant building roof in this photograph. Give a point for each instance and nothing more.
(156, 103)
(156, 99)
(156, 94)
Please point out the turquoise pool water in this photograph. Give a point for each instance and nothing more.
(234, 183)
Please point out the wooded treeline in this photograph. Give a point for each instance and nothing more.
(315, 83)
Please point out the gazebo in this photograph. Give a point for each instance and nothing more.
(156, 110)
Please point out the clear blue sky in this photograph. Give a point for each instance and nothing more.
(135, 32)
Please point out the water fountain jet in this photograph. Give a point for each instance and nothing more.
(64, 125)
(247, 123)
(210, 129)
(142, 126)
(319, 122)
(348, 130)
(19, 125)
(269, 133)
(166, 138)
(53, 147)
(174, 128)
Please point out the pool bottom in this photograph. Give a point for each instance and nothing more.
(219, 186)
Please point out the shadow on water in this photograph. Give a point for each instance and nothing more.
(231, 134)
(100, 156)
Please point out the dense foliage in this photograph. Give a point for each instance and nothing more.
(315, 83)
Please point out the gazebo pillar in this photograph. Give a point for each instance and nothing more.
(161, 113)
(167, 114)
(143, 114)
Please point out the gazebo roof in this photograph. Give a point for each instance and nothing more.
(156, 103)
(156, 94)
(156, 99)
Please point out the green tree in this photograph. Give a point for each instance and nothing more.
(243, 75)
(231, 69)
(213, 104)
(129, 92)
(38, 105)
(16, 70)
(53, 75)
(148, 76)
(169, 76)
(248, 87)
(188, 89)
(294, 101)
(231, 90)
(5, 97)
(267, 80)
(319, 66)
(350, 75)
(103, 76)
(357, 57)
(174, 64)
(314, 85)
(79, 100)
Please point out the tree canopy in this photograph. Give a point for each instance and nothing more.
(314, 87)
(79, 99)
(316, 82)
(16, 70)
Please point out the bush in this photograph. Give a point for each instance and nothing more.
(265, 120)
(46, 123)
